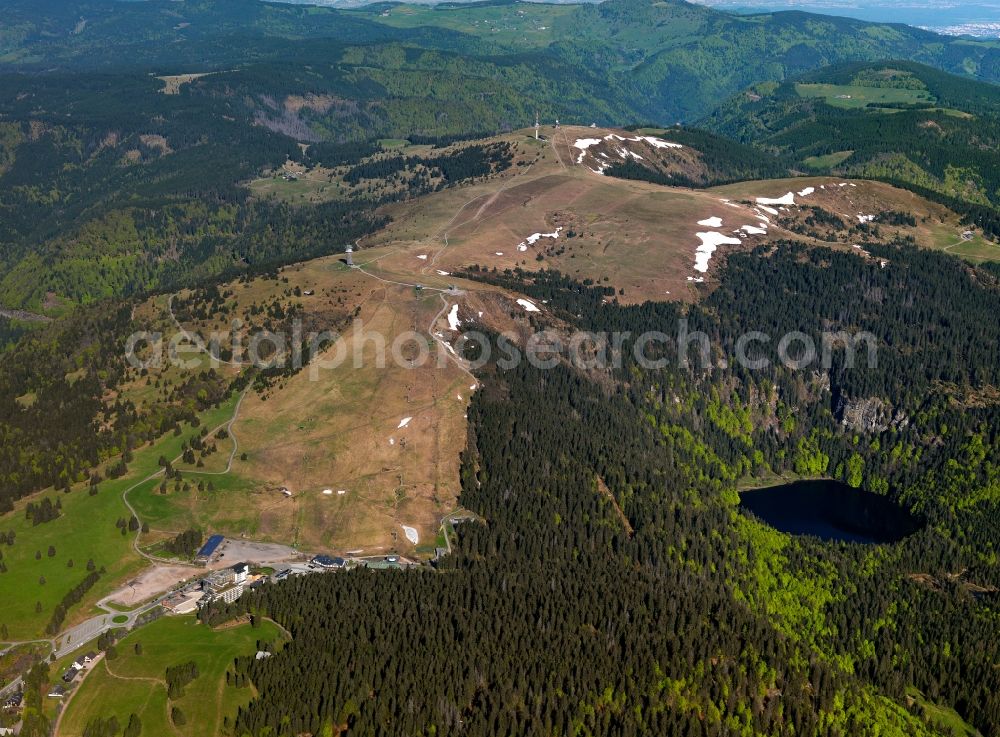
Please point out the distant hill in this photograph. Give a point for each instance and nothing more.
(672, 59)
(899, 122)
(112, 110)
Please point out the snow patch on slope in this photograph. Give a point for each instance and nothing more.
(788, 199)
(535, 237)
(602, 160)
(710, 241)
(583, 144)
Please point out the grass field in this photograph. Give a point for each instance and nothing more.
(336, 430)
(518, 24)
(300, 191)
(856, 96)
(829, 161)
(225, 507)
(85, 530)
(172, 83)
(136, 683)
(634, 236)
(977, 249)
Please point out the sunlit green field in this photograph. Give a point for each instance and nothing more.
(298, 191)
(135, 683)
(85, 530)
(976, 250)
(523, 23)
(829, 161)
(943, 718)
(855, 96)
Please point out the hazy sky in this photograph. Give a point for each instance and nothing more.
(975, 18)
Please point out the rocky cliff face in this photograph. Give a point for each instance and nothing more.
(870, 415)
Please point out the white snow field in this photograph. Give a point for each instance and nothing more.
(583, 144)
(710, 241)
(535, 237)
(788, 199)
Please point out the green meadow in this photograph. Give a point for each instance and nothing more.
(857, 96)
(221, 507)
(36, 582)
(828, 161)
(134, 683)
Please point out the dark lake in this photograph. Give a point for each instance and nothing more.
(830, 510)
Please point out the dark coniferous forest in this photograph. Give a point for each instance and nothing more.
(678, 614)
(161, 160)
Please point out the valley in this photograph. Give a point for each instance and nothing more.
(351, 458)
(307, 422)
(381, 436)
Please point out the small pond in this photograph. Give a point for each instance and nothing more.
(830, 510)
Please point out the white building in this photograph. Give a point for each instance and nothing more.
(240, 572)
(228, 594)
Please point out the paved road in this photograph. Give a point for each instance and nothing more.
(76, 637)
(11, 688)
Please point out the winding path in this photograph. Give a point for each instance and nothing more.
(65, 705)
(196, 339)
(97, 625)
(228, 426)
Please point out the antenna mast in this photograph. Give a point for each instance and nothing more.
(536, 125)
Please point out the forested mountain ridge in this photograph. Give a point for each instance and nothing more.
(690, 619)
(672, 58)
(79, 173)
(184, 167)
(108, 187)
(900, 122)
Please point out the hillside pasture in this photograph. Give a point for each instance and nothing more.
(135, 683)
(857, 96)
(85, 530)
(337, 429)
(828, 161)
(637, 237)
